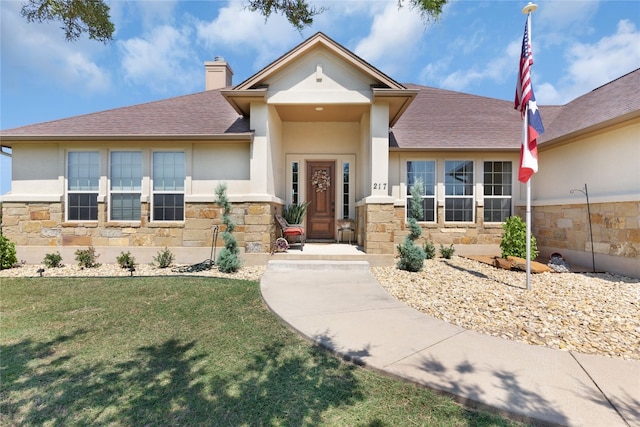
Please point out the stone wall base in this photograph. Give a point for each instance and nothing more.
(43, 225)
(615, 228)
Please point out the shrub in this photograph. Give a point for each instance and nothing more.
(412, 256)
(8, 256)
(514, 239)
(164, 258)
(447, 253)
(125, 260)
(87, 257)
(52, 260)
(429, 250)
(228, 261)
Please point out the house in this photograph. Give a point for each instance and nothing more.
(320, 124)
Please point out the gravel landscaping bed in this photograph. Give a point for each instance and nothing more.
(114, 270)
(583, 312)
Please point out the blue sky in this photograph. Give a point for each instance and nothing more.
(160, 47)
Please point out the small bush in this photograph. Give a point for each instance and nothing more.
(228, 260)
(87, 257)
(8, 257)
(429, 250)
(125, 260)
(447, 253)
(52, 260)
(164, 258)
(411, 257)
(514, 239)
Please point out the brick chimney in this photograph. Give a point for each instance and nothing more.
(218, 74)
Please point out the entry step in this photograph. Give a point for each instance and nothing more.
(317, 265)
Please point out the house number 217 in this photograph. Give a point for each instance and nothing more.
(379, 185)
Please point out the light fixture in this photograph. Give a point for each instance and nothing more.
(319, 108)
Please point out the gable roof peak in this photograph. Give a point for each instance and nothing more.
(318, 39)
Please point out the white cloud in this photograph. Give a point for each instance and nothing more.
(395, 33)
(147, 14)
(592, 65)
(50, 58)
(557, 16)
(497, 70)
(162, 60)
(238, 28)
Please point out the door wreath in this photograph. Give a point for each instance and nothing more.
(321, 180)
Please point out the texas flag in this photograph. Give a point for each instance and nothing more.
(529, 147)
(525, 102)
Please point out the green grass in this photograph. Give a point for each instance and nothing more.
(184, 351)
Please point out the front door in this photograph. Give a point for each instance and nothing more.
(321, 191)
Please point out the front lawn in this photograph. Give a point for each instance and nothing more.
(184, 351)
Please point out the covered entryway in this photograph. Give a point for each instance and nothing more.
(321, 192)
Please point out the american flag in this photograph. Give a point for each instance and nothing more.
(523, 86)
(525, 102)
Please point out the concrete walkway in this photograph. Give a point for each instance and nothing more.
(340, 305)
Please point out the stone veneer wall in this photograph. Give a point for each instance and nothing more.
(41, 224)
(615, 227)
(381, 227)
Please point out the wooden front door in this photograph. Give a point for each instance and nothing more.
(321, 191)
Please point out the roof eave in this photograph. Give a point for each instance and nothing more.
(400, 99)
(244, 136)
(241, 100)
(562, 139)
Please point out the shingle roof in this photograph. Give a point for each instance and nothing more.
(441, 120)
(616, 101)
(436, 120)
(203, 113)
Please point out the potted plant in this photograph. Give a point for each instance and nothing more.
(294, 213)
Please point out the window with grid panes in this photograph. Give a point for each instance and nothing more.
(168, 186)
(126, 185)
(497, 191)
(458, 191)
(83, 176)
(426, 171)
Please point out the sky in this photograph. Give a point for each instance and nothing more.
(160, 47)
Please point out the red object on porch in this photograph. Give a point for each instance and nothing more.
(291, 230)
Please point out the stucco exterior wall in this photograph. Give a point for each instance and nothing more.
(319, 77)
(207, 165)
(607, 161)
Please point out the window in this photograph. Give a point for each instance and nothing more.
(126, 184)
(295, 184)
(497, 191)
(168, 186)
(426, 171)
(83, 176)
(458, 190)
(345, 190)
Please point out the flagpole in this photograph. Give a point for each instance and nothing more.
(527, 10)
(525, 140)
